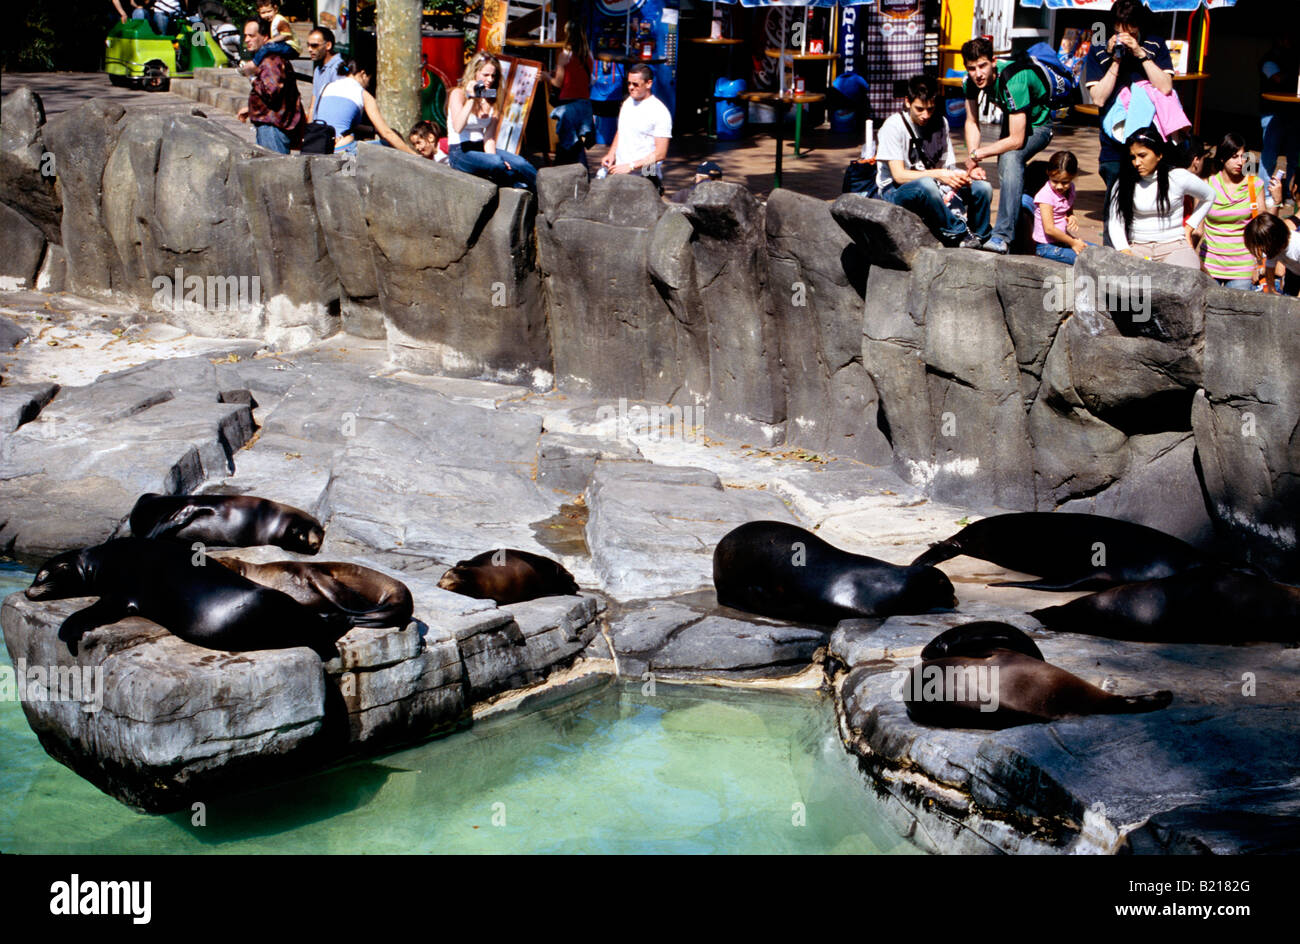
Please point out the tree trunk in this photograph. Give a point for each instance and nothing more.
(397, 36)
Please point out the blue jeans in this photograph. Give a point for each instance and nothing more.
(1011, 179)
(272, 138)
(1109, 171)
(1245, 285)
(923, 198)
(1281, 138)
(504, 170)
(1055, 252)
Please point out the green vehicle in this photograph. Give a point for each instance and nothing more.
(137, 56)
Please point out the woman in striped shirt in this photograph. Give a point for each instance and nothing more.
(1238, 198)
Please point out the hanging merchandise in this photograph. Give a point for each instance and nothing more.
(895, 51)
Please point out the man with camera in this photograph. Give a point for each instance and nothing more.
(1127, 58)
(644, 130)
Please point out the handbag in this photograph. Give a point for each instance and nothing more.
(860, 177)
(318, 138)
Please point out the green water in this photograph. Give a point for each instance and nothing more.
(687, 769)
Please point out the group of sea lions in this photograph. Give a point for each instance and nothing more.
(240, 606)
(1150, 587)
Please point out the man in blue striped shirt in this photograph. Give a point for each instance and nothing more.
(320, 46)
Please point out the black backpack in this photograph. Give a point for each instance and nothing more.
(860, 177)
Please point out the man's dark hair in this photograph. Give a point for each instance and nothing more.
(426, 129)
(643, 70)
(1266, 236)
(923, 87)
(326, 34)
(263, 26)
(975, 49)
(1129, 11)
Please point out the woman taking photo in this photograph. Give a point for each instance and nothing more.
(1238, 199)
(574, 123)
(1146, 209)
(472, 129)
(344, 100)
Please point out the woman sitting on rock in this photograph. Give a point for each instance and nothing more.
(472, 111)
(1238, 198)
(1146, 208)
(343, 102)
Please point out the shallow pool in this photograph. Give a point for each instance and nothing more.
(618, 769)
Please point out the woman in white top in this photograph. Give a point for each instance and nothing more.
(343, 102)
(472, 129)
(1146, 209)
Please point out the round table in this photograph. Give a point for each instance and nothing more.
(783, 103)
(1278, 97)
(626, 60)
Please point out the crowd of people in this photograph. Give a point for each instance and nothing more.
(1168, 197)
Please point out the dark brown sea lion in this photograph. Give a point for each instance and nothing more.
(781, 570)
(365, 597)
(508, 576)
(1069, 551)
(1209, 605)
(226, 521)
(991, 675)
(209, 605)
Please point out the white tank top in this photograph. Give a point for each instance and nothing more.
(475, 127)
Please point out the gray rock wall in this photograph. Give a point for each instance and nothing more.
(1012, 383)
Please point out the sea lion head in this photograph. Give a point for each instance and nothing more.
(61, 577)
(928, 588)
(457, 580)
(303, 535)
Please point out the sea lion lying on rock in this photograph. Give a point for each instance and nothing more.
(226, 521)
(508, 576)
(1069, 551)
(206, 605)
(989, 675)
(781, 570)
(363, 596)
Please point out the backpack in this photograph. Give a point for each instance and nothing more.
(1062, 84)
(860, 177)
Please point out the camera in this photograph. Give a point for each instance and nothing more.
(482, 91)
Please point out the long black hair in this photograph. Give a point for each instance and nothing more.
(1229, 146)
(1149, 138)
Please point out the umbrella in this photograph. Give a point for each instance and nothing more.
(1158, 6)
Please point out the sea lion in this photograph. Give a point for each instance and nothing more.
(1004, 688)
(1069, 551)
(226, 521)
(209, 606)
(507, 575)
(364, 596)
(780, 570)
(979, 639)
(1209, 605)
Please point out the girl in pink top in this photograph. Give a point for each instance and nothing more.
(1056, 231)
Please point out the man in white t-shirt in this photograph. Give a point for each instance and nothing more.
(644, 129)
(916, 169)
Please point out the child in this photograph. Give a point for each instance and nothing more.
(281, 31)
(1271, 241)
(1056, 231)
(427, 139)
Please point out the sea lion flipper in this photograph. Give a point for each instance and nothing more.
(179, 519)
(1151, 701)
(944, 550)
(100, 613)
(1091, 582)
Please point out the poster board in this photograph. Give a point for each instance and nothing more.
(492, 25)
(335, 16)
(516, 89)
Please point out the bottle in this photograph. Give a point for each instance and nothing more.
(602, 173)
(869, 144)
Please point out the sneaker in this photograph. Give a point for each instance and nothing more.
(971, 241)
(996, 244)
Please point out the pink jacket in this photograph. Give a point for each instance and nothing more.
(1170, 116)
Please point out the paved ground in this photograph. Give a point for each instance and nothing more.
(818, 172)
